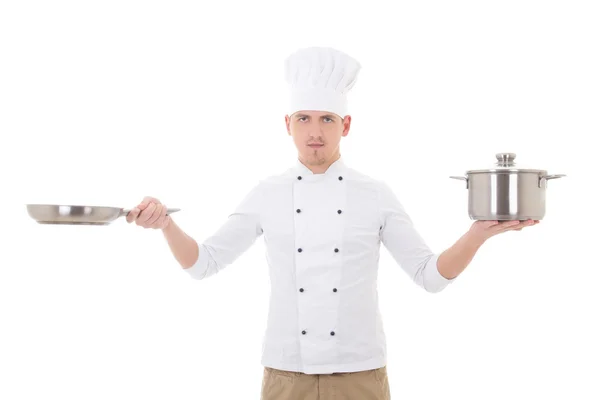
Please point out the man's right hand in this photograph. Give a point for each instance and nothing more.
(149, 214)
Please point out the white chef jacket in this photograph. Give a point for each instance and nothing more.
(322, 234)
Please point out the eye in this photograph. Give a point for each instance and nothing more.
(301, 118)
(329, 119)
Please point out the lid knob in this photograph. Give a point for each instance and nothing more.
(506, 159)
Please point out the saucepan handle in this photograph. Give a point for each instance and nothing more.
(548, 177)
(462, 178)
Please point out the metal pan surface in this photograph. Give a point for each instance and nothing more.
(77, 214)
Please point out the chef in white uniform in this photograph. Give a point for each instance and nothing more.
(323, 223)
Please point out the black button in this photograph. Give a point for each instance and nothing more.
(334, 289)
(340, 178)
(339, 211)
(336, 250)
(299, 250)
(299, 178)
(332, 333)
(298, 210)
(301, 290)
(304, 332)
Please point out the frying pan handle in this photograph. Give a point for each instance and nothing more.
(169, 211)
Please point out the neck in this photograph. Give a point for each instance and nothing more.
(321, 168)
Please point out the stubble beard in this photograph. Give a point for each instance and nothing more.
(316, 158)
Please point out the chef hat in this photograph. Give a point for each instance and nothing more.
(319, 79)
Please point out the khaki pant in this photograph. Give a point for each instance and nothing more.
(363, 385)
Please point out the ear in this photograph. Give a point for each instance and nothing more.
(346, 122)
(287, 125)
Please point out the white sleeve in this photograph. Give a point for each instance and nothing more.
(406, 245)
(232, 239)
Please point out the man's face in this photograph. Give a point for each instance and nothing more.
(317, 134)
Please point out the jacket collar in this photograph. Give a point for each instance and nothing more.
(336, 169)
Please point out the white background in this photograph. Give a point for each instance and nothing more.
(103, 103)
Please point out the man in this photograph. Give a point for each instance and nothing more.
(323, 223)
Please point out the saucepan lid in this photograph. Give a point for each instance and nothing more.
(505, 162)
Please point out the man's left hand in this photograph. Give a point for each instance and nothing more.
(483, 230)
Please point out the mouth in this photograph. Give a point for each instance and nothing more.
(315, 146)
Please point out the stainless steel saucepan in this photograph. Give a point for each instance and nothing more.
(78, 215)
(505, 192)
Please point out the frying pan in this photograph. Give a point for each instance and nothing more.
(77, 215)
